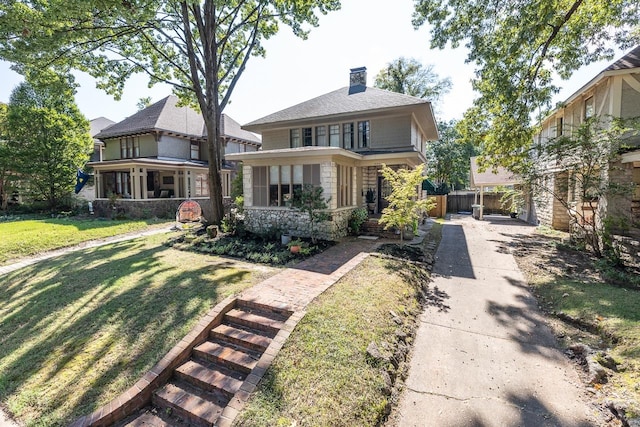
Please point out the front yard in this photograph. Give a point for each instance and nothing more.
(583, 308)
(23, 238)
(78, 330)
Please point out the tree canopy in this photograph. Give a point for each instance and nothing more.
(518, 47)
(409, 76)
(200, 48)
(448, 158)
(47, 138)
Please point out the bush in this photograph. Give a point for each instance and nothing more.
(357, 218)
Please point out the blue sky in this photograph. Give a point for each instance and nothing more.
(367, 33)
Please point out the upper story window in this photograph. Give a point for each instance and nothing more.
(364, 134)
(307, 137)
(559, 126)
(129, 147)
(295, 138)
(589, 107)
(321, 136)
(195, 150)
(347, 135)
(334, 135)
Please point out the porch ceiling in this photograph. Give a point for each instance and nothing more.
(149, 163)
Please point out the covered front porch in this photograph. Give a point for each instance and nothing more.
(143, 179)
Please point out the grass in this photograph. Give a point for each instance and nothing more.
(322, 376)
(25, 238)
(78, 330)
(609, 318)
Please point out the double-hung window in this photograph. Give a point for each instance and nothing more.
(347, 135)
(363, 134)
(295, 138)
(334, 135)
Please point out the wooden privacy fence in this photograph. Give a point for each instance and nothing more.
(463, 202)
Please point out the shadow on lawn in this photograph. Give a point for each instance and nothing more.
(54, 311)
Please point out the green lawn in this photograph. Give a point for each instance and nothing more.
(29, 237)
(322, 376)
(77, 330)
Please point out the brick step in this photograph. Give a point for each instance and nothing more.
(196, 407)
(238, 358)
(256, 319)
(253, 305)
(241, 335)
(147, 418)
(210, 377)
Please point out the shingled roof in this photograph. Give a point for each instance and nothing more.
(163, 116)
(340, 102)
(166, 116)
(231, 129)
(630, 60)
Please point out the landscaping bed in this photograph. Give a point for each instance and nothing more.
(594, 312)
(250, 247)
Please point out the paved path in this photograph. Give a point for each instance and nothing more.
(482, 355)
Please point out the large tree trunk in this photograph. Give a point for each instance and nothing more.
(212, 120)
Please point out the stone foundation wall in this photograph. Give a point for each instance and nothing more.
(297, 223)
(629, 250)
(151, 208)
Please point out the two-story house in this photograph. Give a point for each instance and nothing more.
(614, 92)
(338, 141)
(161, 152)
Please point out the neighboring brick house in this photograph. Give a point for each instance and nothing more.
(614, 92)
(161, 152)
(339, 141)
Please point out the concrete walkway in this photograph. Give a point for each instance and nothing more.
(482, 355)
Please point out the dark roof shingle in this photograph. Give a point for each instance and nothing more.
(630, 60)
(340, 102)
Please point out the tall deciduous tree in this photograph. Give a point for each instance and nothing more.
(409, 76)
(7, 161)
(448, 158)
(199, 47)
(518, 46)
(48, 137)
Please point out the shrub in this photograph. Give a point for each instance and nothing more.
(357, 218)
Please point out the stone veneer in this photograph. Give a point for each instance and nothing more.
(150, 208)
(297, 223)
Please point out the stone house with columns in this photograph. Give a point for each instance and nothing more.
(338, 141)
(160, 153)
(614, 92)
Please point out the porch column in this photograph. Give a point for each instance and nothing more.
(176, 184)
(188, 177)
(481, 202)
(97, 181)
(135, 184)
(143, 183)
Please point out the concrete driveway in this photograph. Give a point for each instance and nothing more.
(483, 355)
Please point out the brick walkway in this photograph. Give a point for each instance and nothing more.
(295, 287)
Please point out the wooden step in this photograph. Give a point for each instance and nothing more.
(240, 336)
(243, 360)
(210, 377)
(256, 319)
(189, 404)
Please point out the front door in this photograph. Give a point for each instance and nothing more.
(384, 190)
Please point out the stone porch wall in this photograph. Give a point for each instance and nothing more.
(297, 223)
(149, 208)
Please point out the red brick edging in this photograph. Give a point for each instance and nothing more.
(139, 395)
